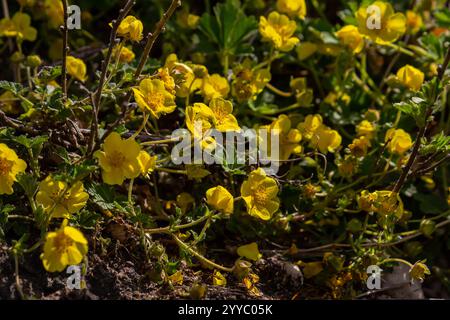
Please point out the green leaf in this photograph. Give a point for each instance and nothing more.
(13, 87)
(28, 183)
(102, 195)
(443, 17)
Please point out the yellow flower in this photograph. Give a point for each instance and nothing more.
(380, 23)
(359, 146)
(8, 103)
(419, 270)
(215, 86)
(260, 195)
(76, 68)
(177, 278)
(59, 199)
(350, 37)
(310, 125)
(119, 159)
(348, 166)
(411, 77)
(220, 199)
(10, 167)
(365, 128)
(131, 28)
(186, 81)
(248, 83)
(278, 30)
(199, 119)
(414, 22)
(55, 12)
(289, 138)
(399, 141)
(293, 8)
(64, 247)
(19, 26)
(388, 203)
(147, 162)
(169, 81)
(224, 119)
(366, 201)
(152, 96)
(249, 251)
(306, 50)
(326, 139)
(219, 279)
(125, 55)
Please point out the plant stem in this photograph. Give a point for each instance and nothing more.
(65, 51)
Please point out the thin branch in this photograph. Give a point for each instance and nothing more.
(65, 51)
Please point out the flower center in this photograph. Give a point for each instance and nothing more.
(260, 195)
(116, 159)
(62, 242)
(5, 166)
(155, 100)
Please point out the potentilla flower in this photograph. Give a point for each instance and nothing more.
(199, 119)
(399, 141)
(220, 199)
(350, 37)
(59, 199)
(248, 83)
(359, 146)
(147, 162)
(76, 68)
(152, 96)
(169, 81)
(125, 55)
(19, 26)
(411, 77)
(10, 167)
(348, 166)
(278, 30)
(289, 138)
(260, 194)
(310, 125)
(414, 22)
(380, 23)
(55, 11)
(119, 159)
(419, 270)
(215, 86)
(65, 247)
(293, 8)
(131, 28)
(224, 120)
(365, 128)
(326, 139)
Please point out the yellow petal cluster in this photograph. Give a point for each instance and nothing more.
(278, 29)
(10, 167)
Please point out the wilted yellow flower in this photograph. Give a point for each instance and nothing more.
(388, 203)
(65, 247)
(289, 138)
(326, 139)
(10, 167)
(169, 81)
(118, 159)
(224, 120)
(8, 103)
(76, 68)
(306, 50)
(260, 195)
(248, 83)
(350, 37)
(310, 125)
(348, 166)
(249, 251)
(55, 12)
(131, 28)
(419, 270)
(220, 199)
(177, 278)
(125, 55)
(399, 141)
(366, 201)
(184, 201)
(219, 279)
(215, 86)
(303, 94)
(411, 77)
(359, 146)
(293, 8)
(414, 22)
(380, 23)
(19, 26)
(365, 128)
(278, 30)
(152, 96)
(147, 162)
(59, 199)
